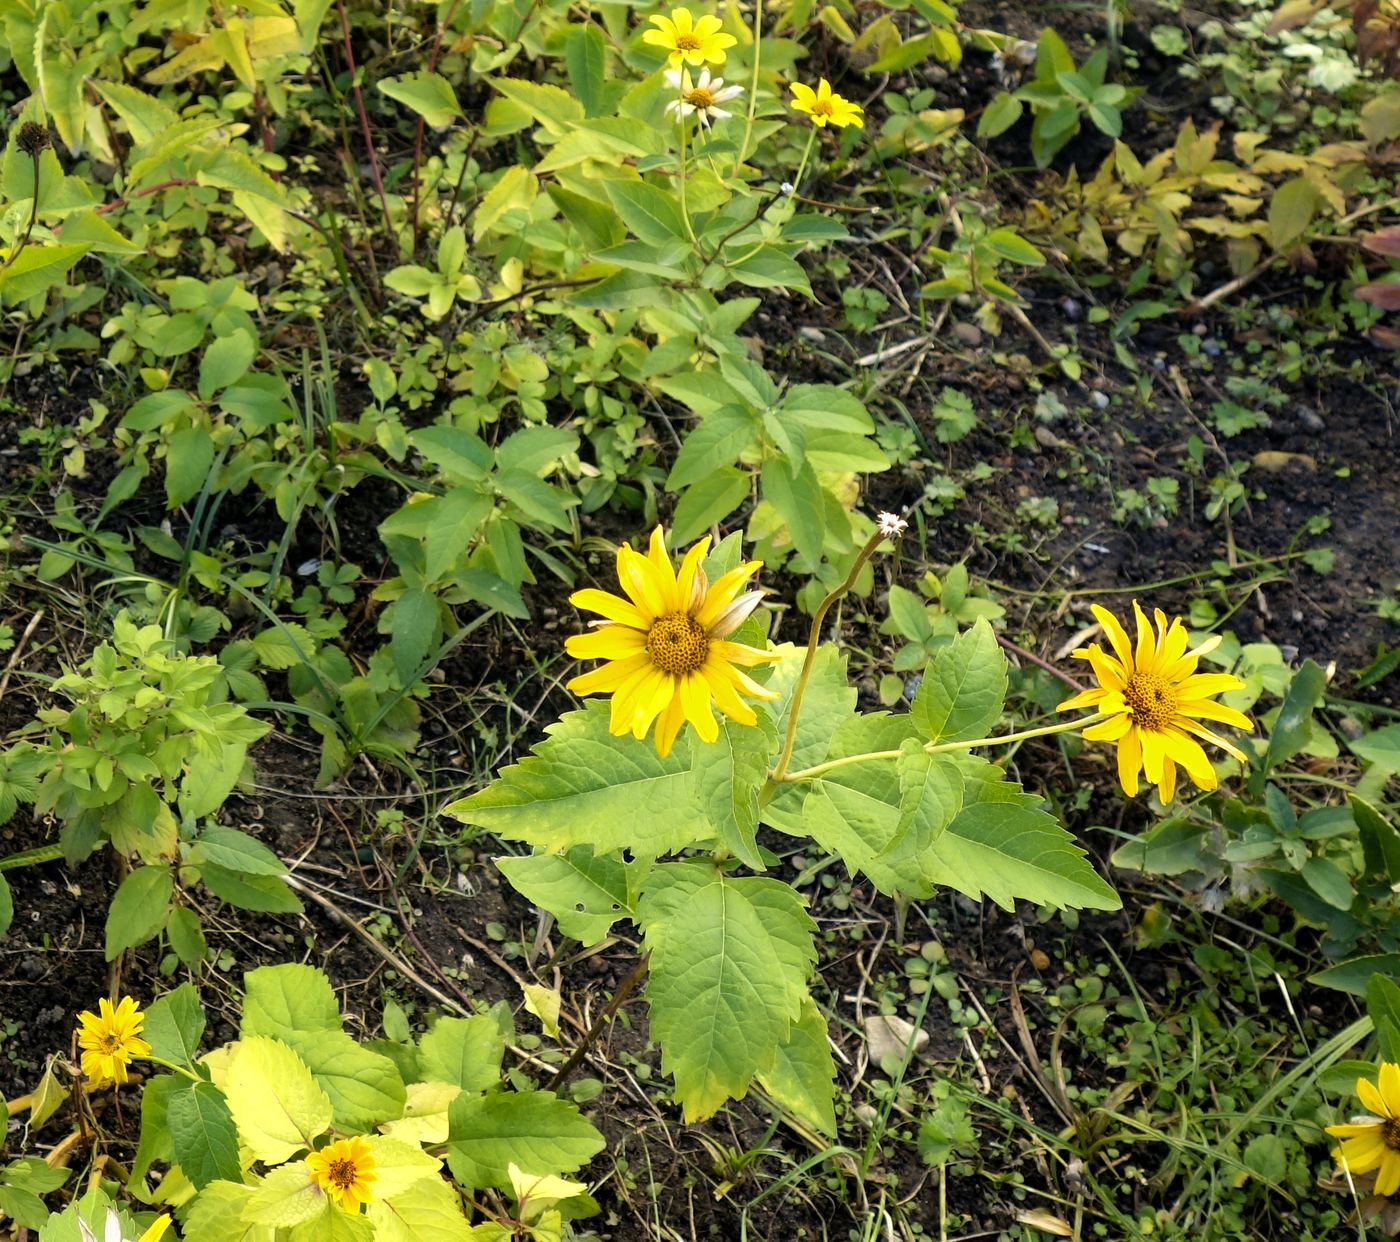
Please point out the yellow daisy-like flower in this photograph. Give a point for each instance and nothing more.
(825, 106)
(1372, 1144)
(345, 1171)
(1157, 701)
(110, 1041)
(665, 647)
(689, 40)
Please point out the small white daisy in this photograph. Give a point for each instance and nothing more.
(891, 525)
(700, 96)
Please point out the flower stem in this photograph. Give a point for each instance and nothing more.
(28, 228)
(753, 87)
(806, 155)
(938, 748)
(170, 1065)
(813, 639)
(685, 209)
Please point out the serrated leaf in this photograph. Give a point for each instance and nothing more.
(286, 1196)
(203, 1139)
(430, 95)
(730, 772)
(364, 1087)
(278, 1106)
(730, 958)
(586, 893)
(139, 908)
(961, 695)
(174, 1025)
(803, 1075)
(465, 1052)
(216, 1215)
(582, 786)
(291, 997)
(428, 1211)
(533, 1129)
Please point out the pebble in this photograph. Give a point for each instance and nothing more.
(1071, 309)
(1099, 400)
(1309, 419)
(968, 333)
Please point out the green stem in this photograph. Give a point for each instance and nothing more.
(806, 155)
(33, 216)
(753, 87)
(938, 748)
(170, 1065)
(685, 209)
(813, 638)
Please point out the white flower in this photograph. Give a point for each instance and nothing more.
(699, 96)
(891, 525)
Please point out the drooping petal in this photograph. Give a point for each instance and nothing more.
(668, 725)
(726, 697)
(738, 653)
(1153, 754)
(1130, 762)
(1388, 1175)
(1166, 787)
(650, 698)
(1184, 722)
(1189, 754)
(1109, 730)
(1085, 698)
(722, 592)
(695, 700)
(1205, 709)
(1362, 1154)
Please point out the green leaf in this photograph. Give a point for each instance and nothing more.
(38, 268)
(1380, 747)
(364, 1087)
(650, 213)
(428, 1211)
(961, 695)
(1383, 1007)
(803, 1074)
(708, 501)
(1355, 973)
(174, 1025)
(331, 1225)
(730, 773)
(225, 361)
(216, 1215)
(237, 851)
(1173, 847)
(290, 997)
(285, 1197)
(278, 1106)
(585, 892)
(455, 524)
(730, 957)
(798, 498)
(189, 454)
(712, 445)
(1293, 726)
(466, 1052)
(535, 449)
(203, 1139)
(186, 935)
(999, 115)
(586, 59)
(139, 908)
(430, 95)
(582, 786)
(7, 906)
(155, 1134)
(1007, 851)
(1380, 840)
(1329, 882)
(1291, 210)
(533, 1129)
(414, 619)
(265, 894)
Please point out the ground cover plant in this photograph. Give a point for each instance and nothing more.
(749, 621)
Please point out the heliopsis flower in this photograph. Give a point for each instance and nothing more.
(1157, 701)
(665, 644)
(701, 95)
(690, 41)
(345, 1171)
(109, 1040)
(1372, 1144)
(825, 106)
(112, 1229)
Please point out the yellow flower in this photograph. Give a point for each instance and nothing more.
(665, 644)
(1373, 1144)
(1157, 701)
(825, 106)
(690, 41)
(109, 1040)
(345, 1171)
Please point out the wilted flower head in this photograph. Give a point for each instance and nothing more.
(700, 97)
(33, 138)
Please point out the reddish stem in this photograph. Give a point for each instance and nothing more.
(364, 117)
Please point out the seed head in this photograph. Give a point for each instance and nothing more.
(33, 138)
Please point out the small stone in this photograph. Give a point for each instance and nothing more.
(1099, 400)
(1071, 310)
(1309, 419)
(1275, 460)
(888, 1035)
(1047, 438)
(968, 333)
(1040, 959)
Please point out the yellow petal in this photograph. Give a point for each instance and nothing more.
(684, 22)
(1356, 1129)
(707, 26)
(1361, 1154)
(690, 572)
(803, 95)
(1207, 685)
(665, 572)
(726, 696)
(609, 678)
(1117, 635)
(1085, 698)
(723, 590)
(1173, 643)
(611, 642)
(1153, 754)
(650, 698)
(1371, 1099)
(639, 579)
(1146, 644)
(1109, 672)
(1390, 1088)
(611, 606)
(1388, 1175)
(1189, 754)
(668, 724)
(1109, 730)
(1207, 710)
(1166, 790)
(738, 653)
(1201, 731)
(695, 700)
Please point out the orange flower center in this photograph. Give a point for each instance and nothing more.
(700, 99)
(1152, 700)
(677, 643)
(823, 107)
(110, 1043)
(688, 43)
(342, 1173)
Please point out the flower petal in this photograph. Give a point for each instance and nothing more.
(738, 653)
(727, 698)
(1189, 754)
(1109, 730)
(609, 678)
(1389, 1083)
(639, 579)
(1371, 1098)
(1117, 635)
(723, 590)
(610, 642)
(665, 572)
(668, 725)
(1204, 709)
(695, 700)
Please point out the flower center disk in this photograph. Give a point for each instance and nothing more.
(822, 107)
(700, 98)
(687, 43)
(677, 643)
(1152, 699)
(343, 1173)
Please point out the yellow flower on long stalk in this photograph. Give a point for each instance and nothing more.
(345, 1171)
(1157, 701)
(1372, 1144)
(688, 39)
(825, 106)
(110, 1040)
(666, 644)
